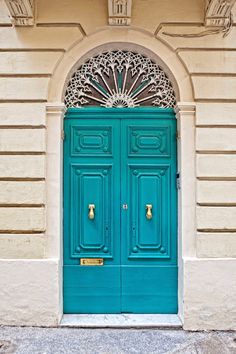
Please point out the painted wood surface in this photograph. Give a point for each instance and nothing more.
(120, 160)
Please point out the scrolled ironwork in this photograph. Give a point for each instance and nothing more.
(120, 79)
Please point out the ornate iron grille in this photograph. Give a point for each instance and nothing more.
(120, 79)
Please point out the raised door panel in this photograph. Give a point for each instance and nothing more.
(91, 141)
(149, 186)
(91, 185)
(149, 141)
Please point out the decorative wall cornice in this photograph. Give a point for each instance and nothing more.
(119, 12)
(218, 12)
(21, 11)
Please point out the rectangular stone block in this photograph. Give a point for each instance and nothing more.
(22, 246)
(216, 218)
(213, 245)
(22, 219)
(216, 165)
(20, 192)
(18, 88)
(209, 294)
(39, 37)
(214, 87)
(30, 292)
(216, 139)
(24, 140)
(216, 192)
(209, 61)
(215, 113)
(4, 17)
(28, 62)
(22, 166)
(22, 114)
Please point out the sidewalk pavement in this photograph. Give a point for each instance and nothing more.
(28, 340)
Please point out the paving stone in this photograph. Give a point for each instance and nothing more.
(23, 340)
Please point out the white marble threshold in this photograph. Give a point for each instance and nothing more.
(121, 321)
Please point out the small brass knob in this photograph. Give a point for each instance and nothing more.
(149, 211)
(91, 208)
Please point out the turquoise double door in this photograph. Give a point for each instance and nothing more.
(120, 211)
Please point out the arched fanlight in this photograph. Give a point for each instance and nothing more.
(120, 79)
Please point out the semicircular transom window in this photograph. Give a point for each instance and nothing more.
(119, 79)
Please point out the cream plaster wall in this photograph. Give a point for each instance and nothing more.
(34, 64)
(92, 14)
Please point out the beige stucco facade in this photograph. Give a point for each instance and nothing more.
(35, 62)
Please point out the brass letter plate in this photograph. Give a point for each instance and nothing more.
(91, 261)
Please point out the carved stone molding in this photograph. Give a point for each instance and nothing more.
(119, 12)
(21, 11)
(218, 12)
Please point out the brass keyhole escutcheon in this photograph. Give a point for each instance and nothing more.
(149, 211)
(91, 208)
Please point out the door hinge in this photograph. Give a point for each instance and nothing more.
(63, 135)
(178, 186)
(177, 135)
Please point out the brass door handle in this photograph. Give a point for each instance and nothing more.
(91, 208)
(149, 211)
